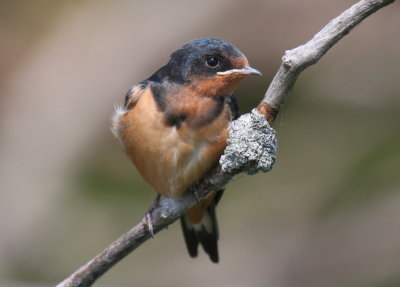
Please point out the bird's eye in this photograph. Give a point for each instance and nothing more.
(212, 62)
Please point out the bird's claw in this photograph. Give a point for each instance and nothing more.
(196, 196)
(195, 191)
(147, 219)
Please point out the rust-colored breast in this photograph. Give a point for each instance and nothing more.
(172, 158)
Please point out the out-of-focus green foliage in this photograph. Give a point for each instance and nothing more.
(105, 184)
(369, 178)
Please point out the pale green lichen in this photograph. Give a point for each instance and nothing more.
(252, 145)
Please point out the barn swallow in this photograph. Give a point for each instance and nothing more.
(174, 127)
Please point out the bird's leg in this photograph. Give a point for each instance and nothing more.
(147, 220)
(195, 191)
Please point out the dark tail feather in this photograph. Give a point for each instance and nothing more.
(190, 237)
(209, 239)
(205, 232)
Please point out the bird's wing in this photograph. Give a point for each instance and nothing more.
(233, 107)
(131, 99)
(133, 95)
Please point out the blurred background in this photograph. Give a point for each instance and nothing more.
(328, 214)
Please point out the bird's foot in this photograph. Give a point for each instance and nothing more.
(195, 191)
(147, 219)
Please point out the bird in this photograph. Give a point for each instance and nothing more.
(174, 128)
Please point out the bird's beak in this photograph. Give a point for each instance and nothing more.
(247, 70)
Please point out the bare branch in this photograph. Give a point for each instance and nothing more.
(296, 60)
(251, 145)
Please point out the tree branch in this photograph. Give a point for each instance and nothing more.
(296, 60)
(251, 144)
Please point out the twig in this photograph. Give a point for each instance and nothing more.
(238, 156)
(296, 60)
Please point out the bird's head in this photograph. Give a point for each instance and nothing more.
(210, 66)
